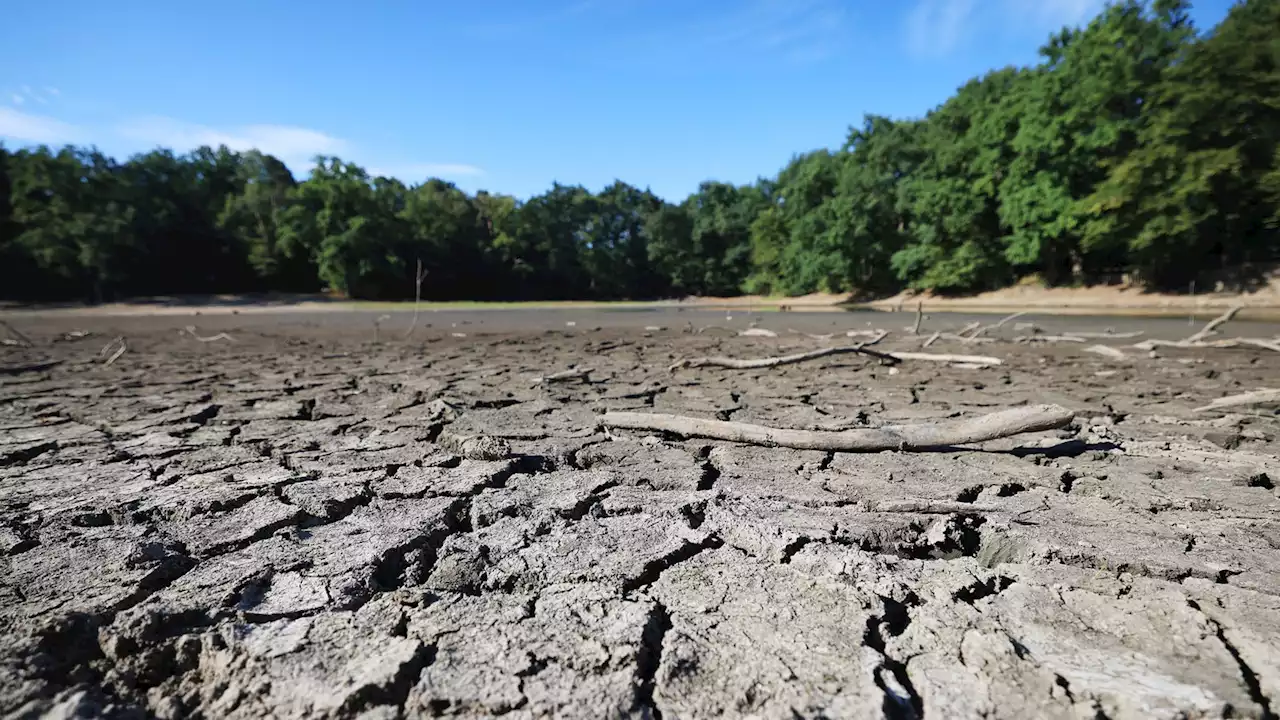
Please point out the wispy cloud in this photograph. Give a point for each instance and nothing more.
(416, 172)
(296, 146)
(795, 30)
(37, 129)
(17, 99)
(936, 27)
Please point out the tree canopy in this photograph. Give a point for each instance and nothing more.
(1137, 145)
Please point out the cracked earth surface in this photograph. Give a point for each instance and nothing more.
(289, 525)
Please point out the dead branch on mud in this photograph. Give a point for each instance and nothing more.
(1104, 335)
(1211, 327)
(915, 329)
(758, 332)
(191, 330)
(1004, 423)
(965, 339)
(103, 353)
(21, 338)
(572, 374)
(418, 276)
(1106, 351)
(1258, 397)
(996, 326)
(1211, 344)
(976, 360)
(932, 339)
(1048, 338)
(755, 363)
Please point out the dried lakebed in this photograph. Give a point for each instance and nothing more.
(290, 523)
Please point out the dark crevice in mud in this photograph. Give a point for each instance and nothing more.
(952, 537)
(1246, 673)
(969, 494)
(654, 568)
(650, 660)
(901, 701)
(413, 562)
(581, 508)
(981, 589)
(694, 514)
(710, 474)
(1067, 481)
(25, 454)
(794, 547)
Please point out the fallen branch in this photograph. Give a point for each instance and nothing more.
(1106, 351)
(935, 357)
(966, 339)
(1257, 397)
(932, 339)
(1212, 326)
(117, 340)
(1005, 423)
(191, 330)
(23, 339)
(758, 332)
(574, 374)
(1048, 338)
(996, 326)
(1210, 344)
(1105, 335)
(755, 363)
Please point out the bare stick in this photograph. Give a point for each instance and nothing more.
(1104, 335)
(418, 276)
(1106, 351)
(1008, 318)
(932, 339)
(119, 351)
(574, 374)
(967, 340)
(934, 357)
(26, 341)
(1048, 338)
(191, 330)
(915, 329)
(758, 332)
(1210, 344)
(1211, 327)
(755, 363)
(1004, 423)
(1258, 397)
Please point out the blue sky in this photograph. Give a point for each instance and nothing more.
(505, 95)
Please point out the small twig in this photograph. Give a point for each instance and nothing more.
(983, 328)
(119, 340)
(574, 374)
(1212, 326)
(26, 341)
(1004, 423)
(756, 363)
(1048, 338)
(1107, 351)
(191, 330)
(758, 332)
(915, 329)
(932, 357)
(1258, 397)
(1104, 335)
(932, 339)
(418, 276)
(377, 325)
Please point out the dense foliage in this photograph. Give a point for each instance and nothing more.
(1136, 146)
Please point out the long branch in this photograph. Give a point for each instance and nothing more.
(753, 363)
(1004, 423)
(1213, 324)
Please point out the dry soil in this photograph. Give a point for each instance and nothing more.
(286, 524)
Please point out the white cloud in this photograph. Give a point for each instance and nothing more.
(296, 146)
(417, 172)
(37, 129)
(17, 99)
(935, 27)
(52, 91)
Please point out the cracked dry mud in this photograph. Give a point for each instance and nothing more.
(283, 526)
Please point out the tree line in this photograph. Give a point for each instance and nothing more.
(1137, 146)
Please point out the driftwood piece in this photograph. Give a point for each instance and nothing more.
(191, 330)
(573, 374)
(755, 363)
(758, 332)
(110, 357)
(1004, 423)
(1104, 335)
(938, 357)
(1211, 327)
(932, 339)
(1258, 397)
(1210, 344)
(1048, 338)
(1106, 351)
(915, 329)
(996, 326)
(19, 336)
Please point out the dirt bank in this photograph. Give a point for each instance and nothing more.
(283, 524)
